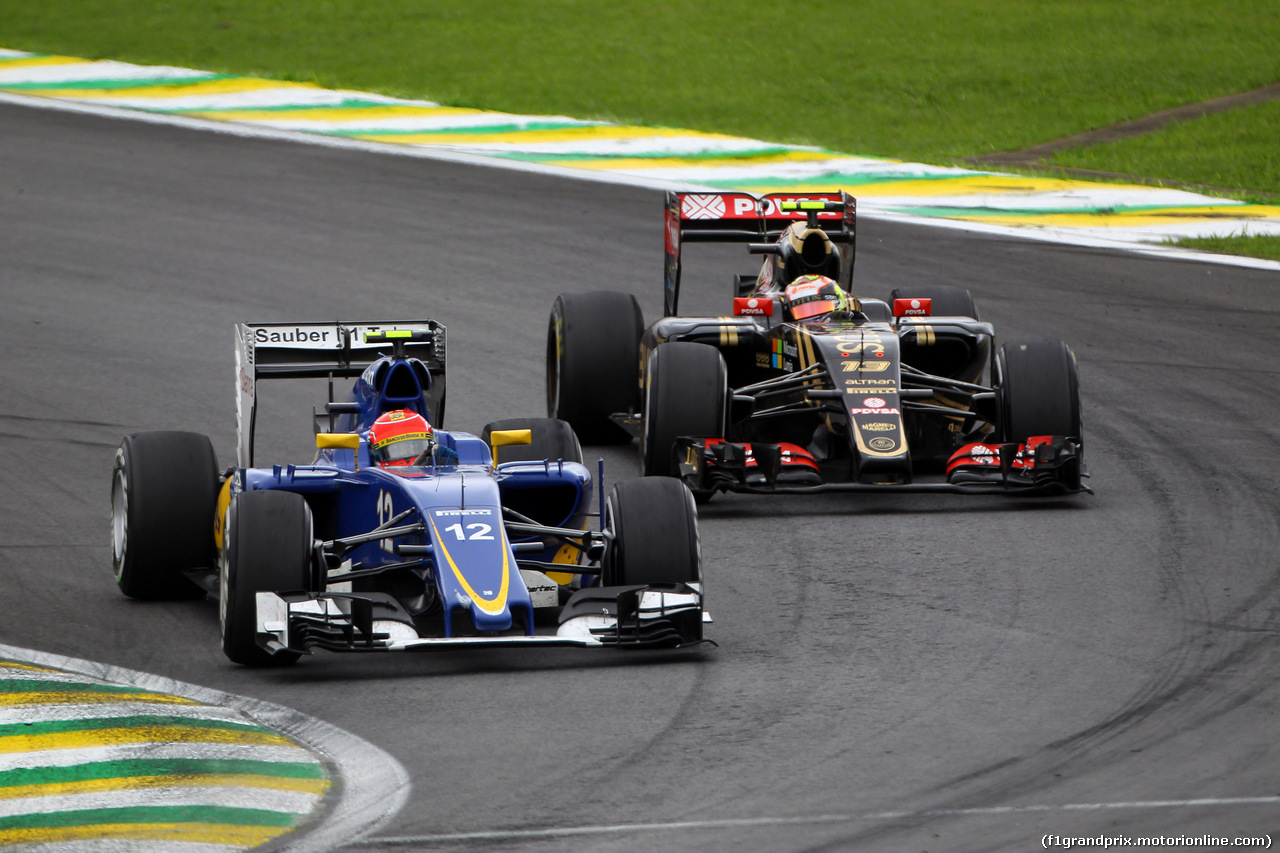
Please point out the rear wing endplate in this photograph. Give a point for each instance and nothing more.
(734, 217)
(309, 350)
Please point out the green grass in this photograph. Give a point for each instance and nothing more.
(1194, 152)
(1253, 247)
(929, 80)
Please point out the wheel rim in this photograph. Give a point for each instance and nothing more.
(119, 520)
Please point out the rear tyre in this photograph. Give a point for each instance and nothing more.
(655, 534)
(267, 548)
(686, 393)
(1039, 390)
(593, 362)
(164, 493)
(552, 439)
(947, 300)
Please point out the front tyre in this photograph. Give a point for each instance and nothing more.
(686, 393)
(267, 548)
(164, 493)
(655, 534)
(593, 362)
(1039, 390)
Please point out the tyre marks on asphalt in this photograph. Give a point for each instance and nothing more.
(1062, 209)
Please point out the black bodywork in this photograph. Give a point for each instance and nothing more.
(906, 393)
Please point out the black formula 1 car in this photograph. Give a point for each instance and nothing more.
(805, 388)
(468, 543)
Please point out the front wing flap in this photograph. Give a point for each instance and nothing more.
(1044, 465)
(596, 617)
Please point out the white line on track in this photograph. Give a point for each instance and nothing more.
(730, 823)
(258, 132)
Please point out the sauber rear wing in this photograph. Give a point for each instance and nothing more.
(743, 218)
(301, 350)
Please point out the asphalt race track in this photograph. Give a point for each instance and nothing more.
(897, 673)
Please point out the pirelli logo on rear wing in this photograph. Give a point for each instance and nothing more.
(302, 350)
(735, 217)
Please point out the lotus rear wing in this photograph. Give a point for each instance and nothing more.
(310, 350)
(733, 217)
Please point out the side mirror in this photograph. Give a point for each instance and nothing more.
(339, 440)
(505, 437)
(333, 440)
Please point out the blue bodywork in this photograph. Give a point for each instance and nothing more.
(446, 558)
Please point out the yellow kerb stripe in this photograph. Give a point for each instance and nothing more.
(140, 734)
(39, 61)
(569, 134)
(88, 697)
(194, 780)
(337, 114)
(181, 89)
(195, 833)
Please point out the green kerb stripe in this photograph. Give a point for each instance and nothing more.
(57, 726)
(347, 104)
(448, 131)
(112, 85)
(744, 156)
(22, 685)
(151, 814)
(25, 776)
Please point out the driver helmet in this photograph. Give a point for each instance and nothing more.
(814, 295)
(398, 438)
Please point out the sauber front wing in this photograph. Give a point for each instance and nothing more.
(619, 617)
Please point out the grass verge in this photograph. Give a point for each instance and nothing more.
(926, 80)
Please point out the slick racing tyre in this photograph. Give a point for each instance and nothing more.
(267, 548)
(686, 393)
(593, 362)
(552, 439)
(1039, 390)
(164, 492)
(655, 534)
(947, 300)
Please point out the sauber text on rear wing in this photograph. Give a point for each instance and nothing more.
(301, 350)
(733, 217)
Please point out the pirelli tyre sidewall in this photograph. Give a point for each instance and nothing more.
(686, 393)
(164, 490)
(593, 362)
(268, 547)
(1039, 390)
(654, 526)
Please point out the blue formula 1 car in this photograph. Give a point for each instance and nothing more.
(400, 536)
